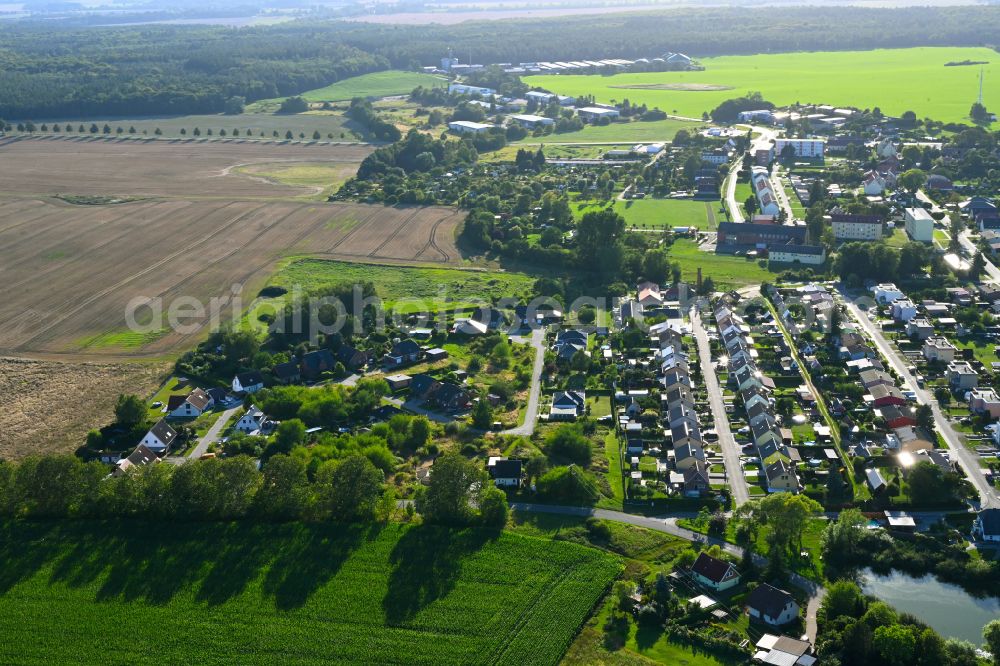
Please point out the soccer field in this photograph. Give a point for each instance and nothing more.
(895, 80)
(660, 213)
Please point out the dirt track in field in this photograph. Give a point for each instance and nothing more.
(69, 271)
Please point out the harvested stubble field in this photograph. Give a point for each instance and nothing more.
(70, 270)
(48, 406)
(290, 593)
(137, 168)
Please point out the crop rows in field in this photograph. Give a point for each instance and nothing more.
(291, 593)
(70, 271)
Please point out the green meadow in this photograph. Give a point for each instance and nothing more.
(728, 272)
(406, 287)
(895, 80)
(91, 592)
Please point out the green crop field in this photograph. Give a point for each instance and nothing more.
(661, 213)
(630, 132)
(377, 84)
(434, 288)
(895, 80)
(130, 593)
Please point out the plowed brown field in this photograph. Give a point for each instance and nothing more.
(68, 271)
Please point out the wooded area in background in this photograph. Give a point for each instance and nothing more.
(48, 72)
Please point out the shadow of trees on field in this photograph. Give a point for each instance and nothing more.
(310, 562)
(153, 562)
(427, 562)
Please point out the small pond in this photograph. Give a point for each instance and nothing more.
(950, 610)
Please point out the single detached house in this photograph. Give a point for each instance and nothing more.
(142, 455)
(987, 525)
(771, 605)
(248, 382)
(567, 405)
(255, 422)
(159, 438)
(192, 405)
(714, 573)
(505, 472)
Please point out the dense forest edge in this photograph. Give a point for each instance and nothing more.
(48, 71)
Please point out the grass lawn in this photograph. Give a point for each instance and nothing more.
(310, 593)
(600, 405)
(898, 238)
(614, 473)
(895, 80)
(726, 271)
(171, 387)
(660, 213)
(407, 288)
(742, 192)
(982, 349)
(624, 132)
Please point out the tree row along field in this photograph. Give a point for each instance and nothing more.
(335, 593)
(129, 168)
(69, 270)
(895, 80)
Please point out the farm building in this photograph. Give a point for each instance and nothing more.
(463, 89)
(529, 121)
(592, 113)
(758, 115)
(469, 127)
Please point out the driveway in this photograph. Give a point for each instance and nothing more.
(969, 461)
(527, 428)
(730, 450)
(213, 433)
